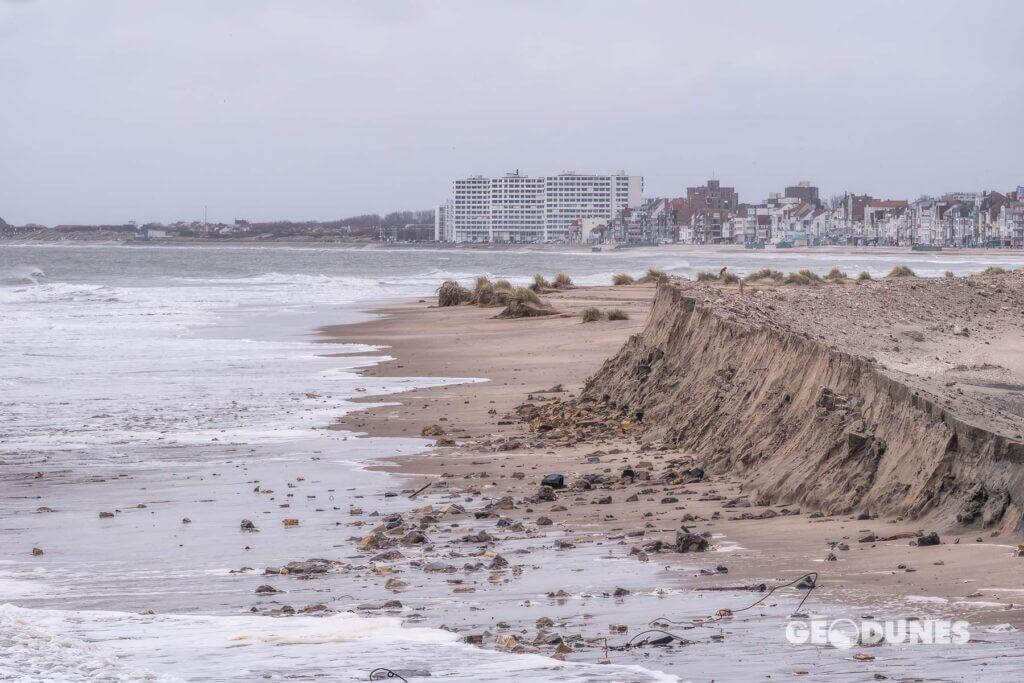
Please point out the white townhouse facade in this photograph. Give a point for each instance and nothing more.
(519, 208)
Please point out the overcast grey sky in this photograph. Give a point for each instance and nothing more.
(263, 109)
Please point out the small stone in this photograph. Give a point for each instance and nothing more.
(432, 430)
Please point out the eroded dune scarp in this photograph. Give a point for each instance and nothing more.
(898, 397)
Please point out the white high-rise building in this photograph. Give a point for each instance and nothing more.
(574, 196)
(518, 208)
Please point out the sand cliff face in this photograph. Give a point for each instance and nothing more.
(805, 420)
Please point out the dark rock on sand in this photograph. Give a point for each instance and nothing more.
(555, 481)
(414, 537)
(307, 567)
(687, 542)
(380, 604)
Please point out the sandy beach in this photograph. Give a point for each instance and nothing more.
(705, 470)
(868, 561)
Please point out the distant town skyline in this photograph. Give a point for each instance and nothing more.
(268, 110)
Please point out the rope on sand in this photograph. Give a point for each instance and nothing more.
(811, 579)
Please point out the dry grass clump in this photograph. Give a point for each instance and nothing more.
(901, 271)
(993, 270)
(561, 281)
(451, 293)
(591, 315)
(502, 285)
(949, 273)
(803, 277)
(835, 274)
(526, 295)
(765, 274)
(654, 275)
(705, 276)
(483, 291)
(617, 314)
(864, 276)
(729, 278)
(539, 283)
(523, 302)
(622, 279)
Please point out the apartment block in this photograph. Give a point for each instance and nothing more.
(521, 209)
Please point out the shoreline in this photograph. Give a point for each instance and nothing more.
(483, 247)
(976, 579)
(793, 540)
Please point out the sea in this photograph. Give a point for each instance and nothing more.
(172, 383)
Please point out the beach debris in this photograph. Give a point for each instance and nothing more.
(808, 581)
(931, 538)
(555, 481)
(544, 521)
(432, 430)
(105, 515)
(267, 589)
(37, 551)
(290, 521)
(247, 525)
(687, 542)
(374, 541)
(546, 493)
(413, 494)
(186, 520)
(506, 642)
(498, 562)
